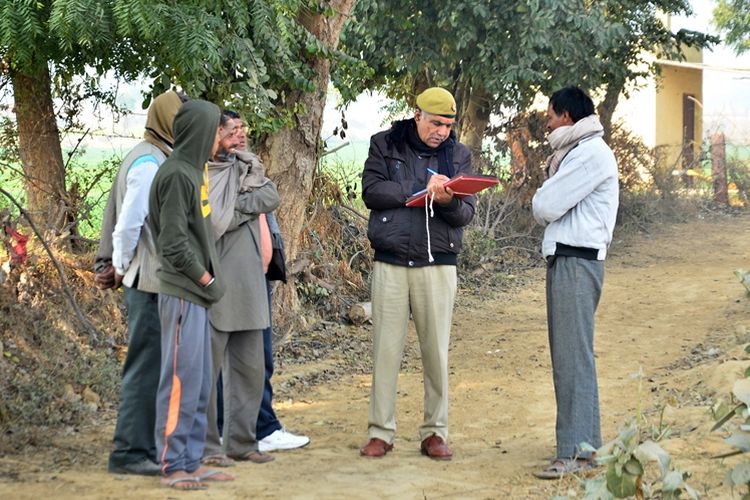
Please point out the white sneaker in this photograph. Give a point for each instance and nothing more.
(282, 440)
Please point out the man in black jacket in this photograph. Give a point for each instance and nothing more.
(416, 250)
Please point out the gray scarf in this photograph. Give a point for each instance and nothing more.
(224, 178)
(227, 177)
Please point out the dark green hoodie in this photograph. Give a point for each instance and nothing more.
(180, 212)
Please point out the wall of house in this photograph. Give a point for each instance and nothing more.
(675, 83)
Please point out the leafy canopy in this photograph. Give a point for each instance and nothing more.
(732, 17)
(238, 53)
(508, 50)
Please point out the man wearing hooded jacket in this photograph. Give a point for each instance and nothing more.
(127, 255)
(415, 262)
(189, 282)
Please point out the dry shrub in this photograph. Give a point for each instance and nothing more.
(738, 172)
(502, 239)
(333, 268)
(52, 374)
(635, 161)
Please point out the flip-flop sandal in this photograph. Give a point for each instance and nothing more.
(211, 476)
(559, 468)
(196, 484)
(218, 460)
(256, 457)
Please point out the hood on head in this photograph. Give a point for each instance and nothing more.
(195, 129)
(159, 120)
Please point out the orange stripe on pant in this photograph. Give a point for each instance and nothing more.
(175, 395)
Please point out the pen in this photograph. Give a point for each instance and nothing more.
(432, 171)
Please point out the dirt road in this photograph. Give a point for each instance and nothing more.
(671, 307)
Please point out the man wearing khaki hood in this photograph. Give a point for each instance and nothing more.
(127, 256)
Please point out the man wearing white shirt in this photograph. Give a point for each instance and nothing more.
(577, 204)
(127, 256)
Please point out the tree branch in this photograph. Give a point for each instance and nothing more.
(87, 326)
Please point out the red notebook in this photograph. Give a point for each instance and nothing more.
(463, 185)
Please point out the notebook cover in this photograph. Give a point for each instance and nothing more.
(463, 185)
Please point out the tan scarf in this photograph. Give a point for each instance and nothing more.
(256, 171)
(229, 176)
(565, 138)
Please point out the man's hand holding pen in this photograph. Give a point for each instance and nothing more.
(435, 188)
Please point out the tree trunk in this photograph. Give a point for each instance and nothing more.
(474, 120)
(291, 155)
(719, 168)
(39, 144)
(526, 174)
(606, 108)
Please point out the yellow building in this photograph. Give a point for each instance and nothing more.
(667, 111)
(678, 124)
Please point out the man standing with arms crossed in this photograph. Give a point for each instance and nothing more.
(127, 255)
(189, 282)
(415, 262)
(240, 195)
(578, 205)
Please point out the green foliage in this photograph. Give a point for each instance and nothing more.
(240, 54)
(732, 17)
(627, 460)
(504, 53)
(644, 34)
(740, 437)
(510, 51)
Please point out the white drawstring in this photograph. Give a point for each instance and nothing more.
(429, 212)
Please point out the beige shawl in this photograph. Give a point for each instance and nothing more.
(565, 138)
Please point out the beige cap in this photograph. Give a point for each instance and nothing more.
(437, 101)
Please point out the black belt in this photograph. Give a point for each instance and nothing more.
(570, 251)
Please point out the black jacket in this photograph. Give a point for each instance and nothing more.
(398, 234)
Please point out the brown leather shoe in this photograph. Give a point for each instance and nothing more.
(435, 448)
(375, 448)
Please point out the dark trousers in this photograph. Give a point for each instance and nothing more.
(267, 420)
(268, 423)
(134, 430)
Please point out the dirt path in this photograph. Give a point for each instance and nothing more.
(671, 307)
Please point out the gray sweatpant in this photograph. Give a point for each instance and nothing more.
(184, 384)
(574, 286)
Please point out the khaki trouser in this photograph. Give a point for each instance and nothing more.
(429, 293)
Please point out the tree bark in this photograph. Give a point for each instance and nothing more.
(526, 174)
(474, 120)
(606, 108)
(291, 155)
(39, 144)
